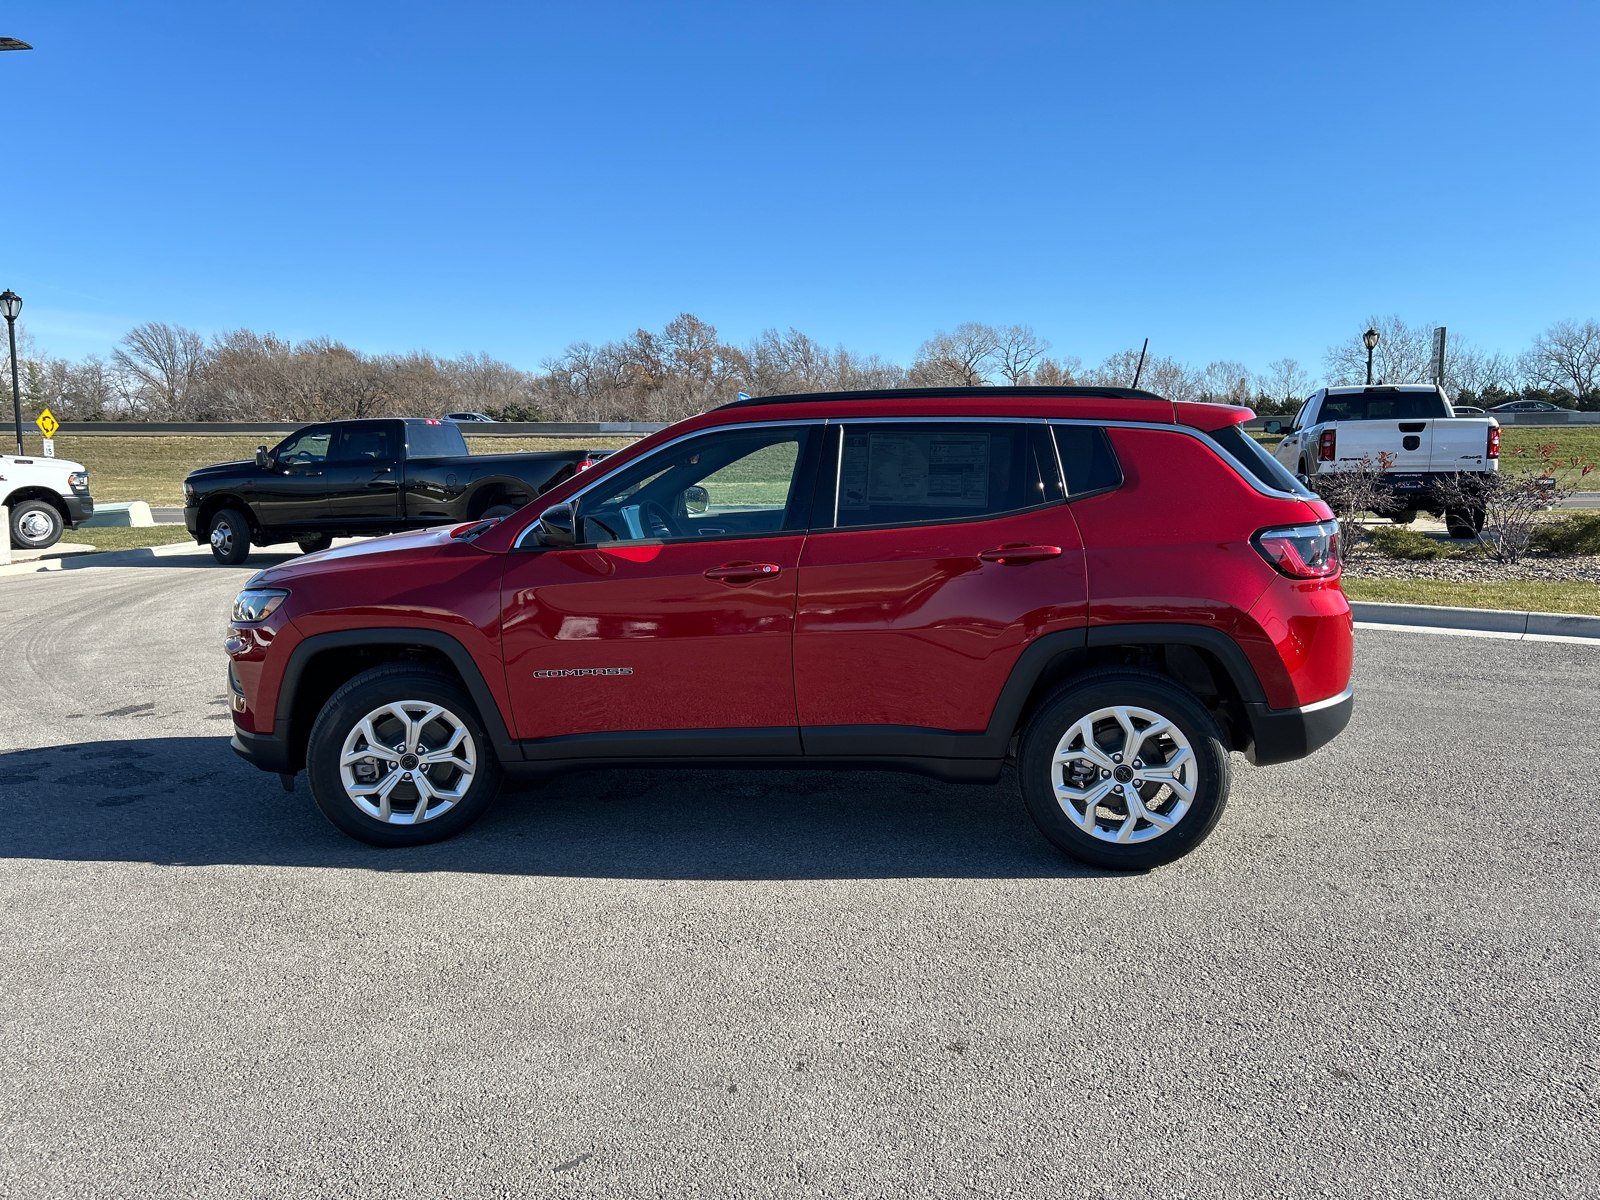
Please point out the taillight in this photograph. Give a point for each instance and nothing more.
(1494, 441)
(1327, 445)
(1301, 551)
(584, 465)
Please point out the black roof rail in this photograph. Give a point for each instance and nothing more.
(1096, 393)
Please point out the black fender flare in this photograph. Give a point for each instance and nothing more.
(1038, 656)
(506, 747)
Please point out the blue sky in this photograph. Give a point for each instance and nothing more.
(1239, 182)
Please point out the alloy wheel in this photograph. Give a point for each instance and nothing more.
(408, 762)
(1124, 774)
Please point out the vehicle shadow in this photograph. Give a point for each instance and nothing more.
(192, 802)
(142, 557)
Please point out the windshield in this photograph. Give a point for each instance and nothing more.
(1383, 406)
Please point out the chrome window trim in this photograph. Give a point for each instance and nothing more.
(1205, 439)
(684, 437)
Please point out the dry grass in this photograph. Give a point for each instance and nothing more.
(152, 468)
(116, 538)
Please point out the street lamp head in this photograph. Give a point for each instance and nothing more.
(10, 304)
(1370, 338)
(13, 44)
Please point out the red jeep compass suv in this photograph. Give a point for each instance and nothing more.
(1111, 590)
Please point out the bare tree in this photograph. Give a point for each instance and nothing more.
(1285, 384)
(961, 358)
(1225, 383)
(1566, 358)
(1057, 372)
(1017, 349)
(162, 366)
(1403, 354)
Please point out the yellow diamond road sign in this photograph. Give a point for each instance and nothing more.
(48, 424)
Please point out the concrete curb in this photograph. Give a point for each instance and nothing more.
(103, 558)
(1480, 622)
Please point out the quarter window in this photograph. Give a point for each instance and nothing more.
(915, 473)
(1087, 459)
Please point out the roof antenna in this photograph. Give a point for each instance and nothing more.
(1140, 371)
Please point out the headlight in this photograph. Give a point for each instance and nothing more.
(188, 487)
(256, 604)
(78, 481)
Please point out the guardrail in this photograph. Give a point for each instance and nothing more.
(278, 429)
(1555, 418)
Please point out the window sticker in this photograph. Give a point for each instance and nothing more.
(933, 470)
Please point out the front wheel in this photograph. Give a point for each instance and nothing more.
(398, 757)
(35, 525)
(1124, 769)
(313, 542)
(230, 537)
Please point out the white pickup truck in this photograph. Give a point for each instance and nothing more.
(43, 496)
(1339, 428)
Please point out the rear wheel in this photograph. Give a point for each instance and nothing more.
(499, 510)
(1124, 769)
(1404, 517)
(312, 542)
(230, 537)
(1464, 522)
(35, 525)
(398, 757)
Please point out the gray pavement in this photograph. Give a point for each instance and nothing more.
(1378, 977)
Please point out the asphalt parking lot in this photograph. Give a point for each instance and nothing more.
(1379, 977)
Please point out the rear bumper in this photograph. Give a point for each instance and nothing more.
(265, 750)
(1285, 734)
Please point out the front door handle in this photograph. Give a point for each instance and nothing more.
(382, 470)
(743, 572)
(1019, 553)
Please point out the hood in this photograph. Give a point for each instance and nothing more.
(227, 468)
(396, 547)
(39, 460)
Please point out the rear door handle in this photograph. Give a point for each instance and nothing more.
(743, 572)
(1015, 554)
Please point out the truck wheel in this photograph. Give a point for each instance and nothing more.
(1464, 522)
(1404, 516)
(35, 525)
(1124, 769)
(499, 510)
(230, 537)
(312, 542)
(398, 757)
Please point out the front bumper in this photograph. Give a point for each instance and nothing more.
(80, 507)
(191, 519)
(1281, 735)
(265, 750)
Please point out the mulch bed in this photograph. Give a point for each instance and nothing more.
(1363, 562)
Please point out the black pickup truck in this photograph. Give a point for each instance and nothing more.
(358, 478)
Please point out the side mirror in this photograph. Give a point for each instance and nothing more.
(696, 500)
(556, 527)
(1304, 479)
(1272, 427)
(263, 458)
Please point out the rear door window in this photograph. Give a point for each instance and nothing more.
(911, 473)
(377, 442)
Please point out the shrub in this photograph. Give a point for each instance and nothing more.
(1570, 535)
(1396, 541)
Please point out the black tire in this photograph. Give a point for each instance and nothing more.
(35, 525)
(1464, 523)
(499, 510)
(312, 542)
(363, 696)
(1209, 776)
(1404, 516)
(230, 537)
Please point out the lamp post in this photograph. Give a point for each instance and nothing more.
(1370, 338)
(11, 305)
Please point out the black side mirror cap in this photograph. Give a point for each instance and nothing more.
(263, 458)
(556, 527)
